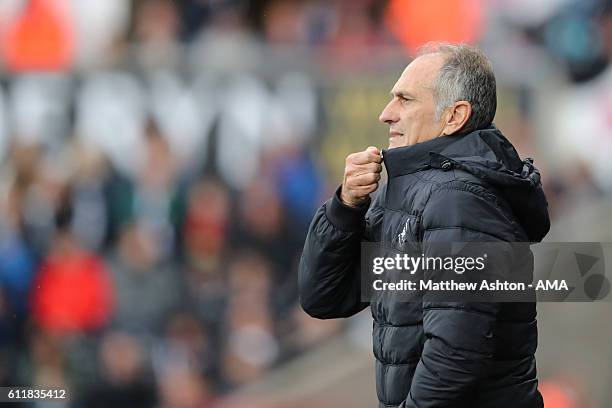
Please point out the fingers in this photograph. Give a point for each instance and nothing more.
(359, 169)
(374, 154)
(361, 175)
(364, 180)
(370, 155)
(374, 150)
(374, 167)
(364, 191)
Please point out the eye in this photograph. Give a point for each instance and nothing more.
(404, 99)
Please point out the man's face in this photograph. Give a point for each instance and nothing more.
(411, 111)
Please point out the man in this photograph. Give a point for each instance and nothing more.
(452, 177)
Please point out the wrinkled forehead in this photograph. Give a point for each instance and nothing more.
(422, 72)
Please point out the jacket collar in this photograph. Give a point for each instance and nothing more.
(404, 160)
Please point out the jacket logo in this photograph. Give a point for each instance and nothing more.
(402, 237)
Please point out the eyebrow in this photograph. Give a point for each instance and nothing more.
(402, 94)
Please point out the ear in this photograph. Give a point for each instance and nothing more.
(457, 116)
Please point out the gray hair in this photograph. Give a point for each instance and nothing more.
(465, 76)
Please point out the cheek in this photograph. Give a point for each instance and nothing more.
(413, 119)
(424, 116)
(409, 116)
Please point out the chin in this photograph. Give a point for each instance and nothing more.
(397, 141)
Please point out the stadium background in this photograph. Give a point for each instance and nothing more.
(161, 160)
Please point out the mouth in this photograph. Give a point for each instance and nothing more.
(394, 133)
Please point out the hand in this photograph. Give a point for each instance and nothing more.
(361, 176)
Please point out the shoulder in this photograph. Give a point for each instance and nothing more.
(462, 202)
(458, 183)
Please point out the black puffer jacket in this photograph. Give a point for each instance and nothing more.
(462, 188)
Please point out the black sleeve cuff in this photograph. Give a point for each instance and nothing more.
(344, 217)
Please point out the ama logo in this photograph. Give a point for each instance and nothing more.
(580, 264)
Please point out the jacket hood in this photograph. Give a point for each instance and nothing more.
(489, 156)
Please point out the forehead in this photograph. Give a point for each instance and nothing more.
(420, 74)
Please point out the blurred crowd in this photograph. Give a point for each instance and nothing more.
(160, 165)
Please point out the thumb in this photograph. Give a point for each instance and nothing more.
(374, 150)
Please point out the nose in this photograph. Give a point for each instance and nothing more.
(390, 114)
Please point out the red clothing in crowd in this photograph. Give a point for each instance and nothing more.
(41, 37)
(72, 293)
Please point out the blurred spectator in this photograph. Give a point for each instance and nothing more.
(251, 346)
(206, 225)
(49, 362)
(261, 214)
(73, 292)
(36, 187)
(155, 190)
(282, 23)
(101, 197)
(17, 268)
(91, 216)
(194, 14)
(39, 38)
(125, 382)
(226, 44)
(184, 345)
(263, 225)
(301, 186)
(156, 28)
(205, 233)
(185, 359)
(319, 23)
(208, 294)
(9, 337)
(356, 29)
(146, 288)
(184, 389)
(17, 265)
(308, 332)
(415, 22)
